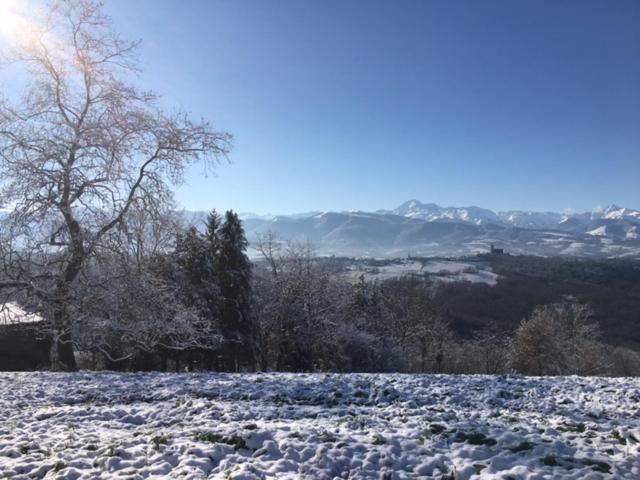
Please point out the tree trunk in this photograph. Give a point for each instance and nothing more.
(163, 361)
(190, 361)
(62, 355)
(264, 362)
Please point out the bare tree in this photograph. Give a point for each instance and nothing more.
(487, 352)
(269, 249)
(558, 339)
(79, 154)
(127, 307)
(299, 303)
(415, 323)
(624, 362)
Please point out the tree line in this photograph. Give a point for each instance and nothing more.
(290, 310)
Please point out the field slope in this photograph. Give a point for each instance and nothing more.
(317, 426)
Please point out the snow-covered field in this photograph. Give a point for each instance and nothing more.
(317, 426)
(437, 270)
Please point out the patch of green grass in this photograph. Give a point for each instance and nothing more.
(449, 476)
(60, 465)
(183, 402)
(91, 447)
(573, 427)
(328, 437)
(616, 434)
(24, 450)
(159, 440)
(237, 441)
(478, 467)
(598, 466)
(475, 438)
(210, 437)
(113, 452)
(550, 461)
(522, 447)
(436, 429)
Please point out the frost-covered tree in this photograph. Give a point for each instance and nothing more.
(126, 309)
(624, 362)
(299, 305)
(558, 339)
(487, 352)
(367, 342)
(415, 323)
(79, 152)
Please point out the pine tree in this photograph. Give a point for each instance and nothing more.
(196, 275)
(191, 259)
(234, 273)
(212, 235)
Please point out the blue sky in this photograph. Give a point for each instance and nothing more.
(354, 104)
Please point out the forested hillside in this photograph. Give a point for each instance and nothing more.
(610, 287)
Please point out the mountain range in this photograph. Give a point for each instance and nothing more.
(427, 229)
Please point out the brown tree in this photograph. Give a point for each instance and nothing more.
(558, 339)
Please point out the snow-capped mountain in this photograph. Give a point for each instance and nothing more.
(428, 229)
(617, 221)
(432, 212)
(614, 212)
(478, 216)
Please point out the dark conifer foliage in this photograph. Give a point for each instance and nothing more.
(234, 274)
(215, 276)
(196, 272)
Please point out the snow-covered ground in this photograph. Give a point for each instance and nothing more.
(317, 426)
(437, 270)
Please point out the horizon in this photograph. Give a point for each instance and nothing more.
(596, 209)
(507, 106)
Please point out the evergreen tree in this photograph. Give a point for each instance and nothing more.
(191, 259)
(234, 275)
(195, 272)
(214, 222)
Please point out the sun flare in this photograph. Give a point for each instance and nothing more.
(12, 22)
